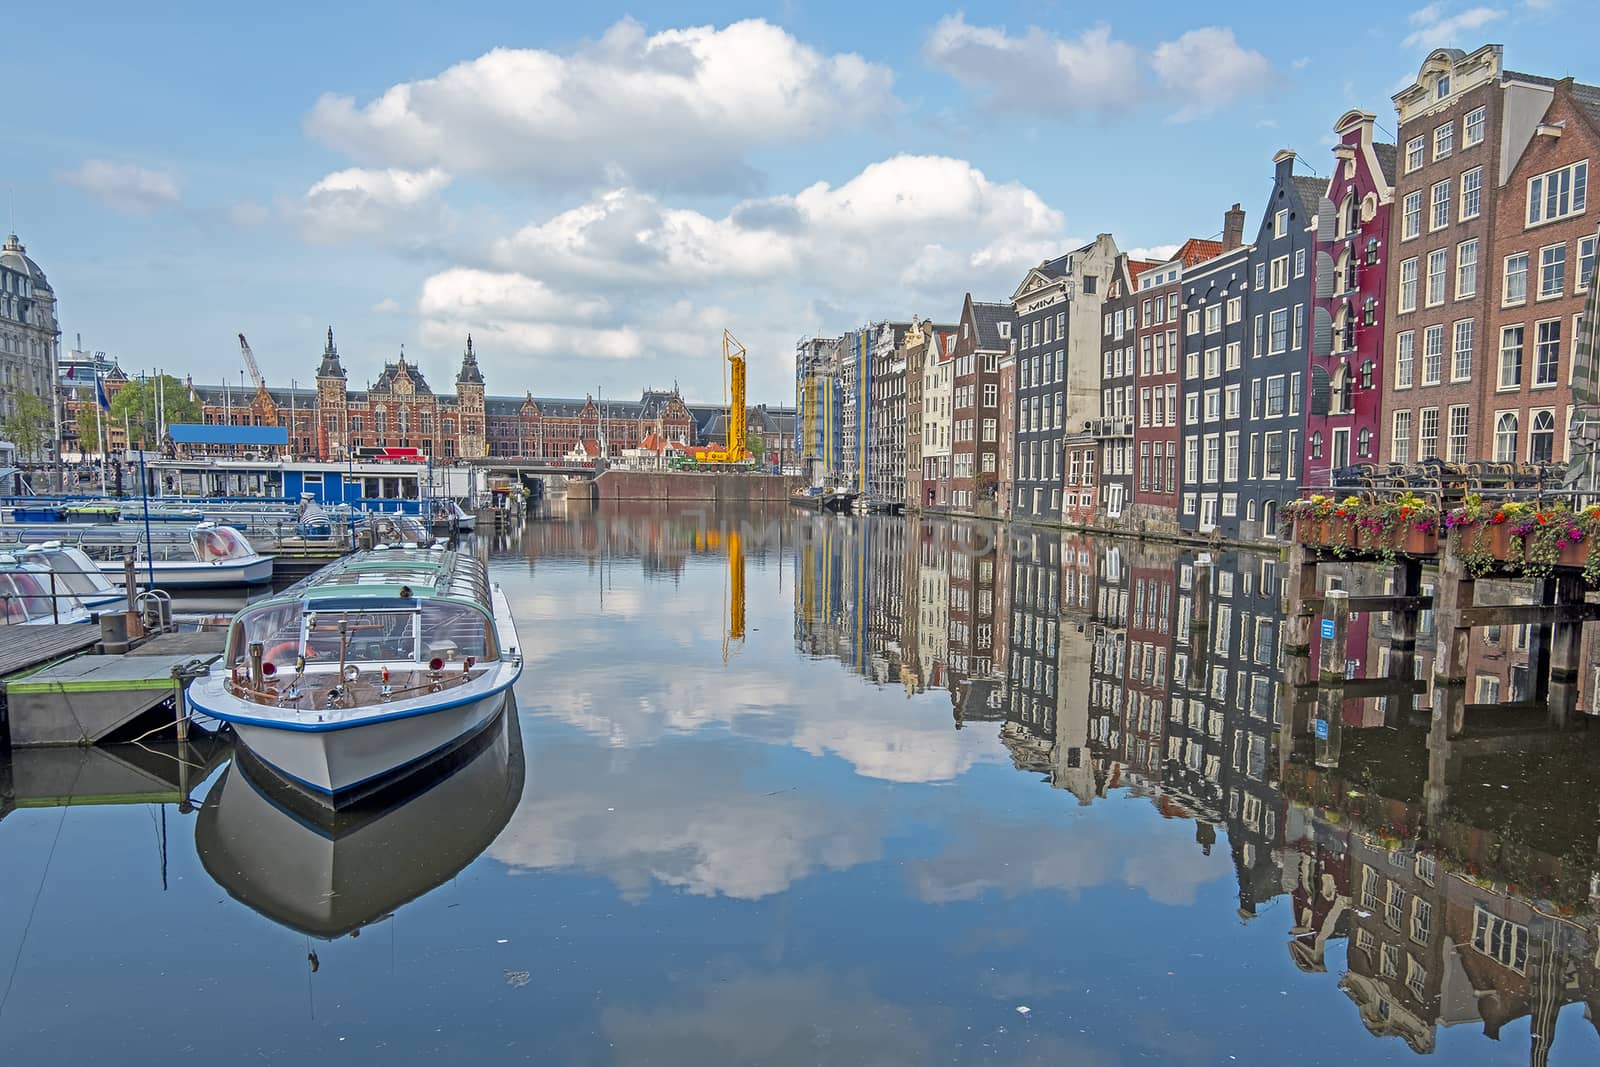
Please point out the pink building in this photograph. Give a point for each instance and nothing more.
(1346, 385)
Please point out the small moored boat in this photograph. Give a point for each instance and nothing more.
(375, 665)
(75, 573)
(26, 598)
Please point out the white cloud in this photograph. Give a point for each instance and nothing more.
(687, 817)
(391, 204)
(1432, 28)
(1037, 70)
(124, 187)
(679, 108)
(1208, 69)
(387, 306)
(906, 234)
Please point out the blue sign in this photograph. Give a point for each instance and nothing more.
(1327, 629)
(1322, 729)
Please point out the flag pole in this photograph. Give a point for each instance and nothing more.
(100, 422)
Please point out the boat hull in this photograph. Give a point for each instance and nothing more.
(177, 574)
(338, 766)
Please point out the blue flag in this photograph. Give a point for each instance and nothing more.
(100, 395)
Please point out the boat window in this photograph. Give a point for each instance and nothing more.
(454, 631)
(11, 607)
(373, 635)
(33, 595)
(221, 543)
(276, 626)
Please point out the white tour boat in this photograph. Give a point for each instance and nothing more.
(210, 557)
(375, 665)
(75, 573)
(26, 599)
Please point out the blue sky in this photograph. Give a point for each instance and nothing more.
(596, 190)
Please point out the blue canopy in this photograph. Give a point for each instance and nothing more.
(201, 434)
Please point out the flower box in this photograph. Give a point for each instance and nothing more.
(1574, 553)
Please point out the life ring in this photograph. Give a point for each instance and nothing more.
(288, 648)
(217, 545)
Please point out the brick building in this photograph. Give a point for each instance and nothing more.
(1544, 238)
(1155, 433)
(984, 336)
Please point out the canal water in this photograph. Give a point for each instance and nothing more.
(794, 789)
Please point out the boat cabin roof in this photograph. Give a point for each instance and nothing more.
(374, 580)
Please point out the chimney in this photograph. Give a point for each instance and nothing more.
(1232, 228)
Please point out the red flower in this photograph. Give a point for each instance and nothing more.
(1499, 517)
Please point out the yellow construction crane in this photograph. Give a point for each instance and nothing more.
(736, 602)
(734, 449)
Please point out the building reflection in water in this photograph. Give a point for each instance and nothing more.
(1458, 875)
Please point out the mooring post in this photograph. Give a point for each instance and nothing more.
(1302, 589)
(1200, 624)
(1539, 636)
(130, 584)
(1334, 638)
(1454, 594)
(1566, 649)
(1403, 626)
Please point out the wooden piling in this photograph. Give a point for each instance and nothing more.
(1453, 599)
(1334, 639)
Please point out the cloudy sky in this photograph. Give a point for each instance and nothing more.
(595, 191)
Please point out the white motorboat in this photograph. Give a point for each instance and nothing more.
(329, 873)
(75, 572)
(210, 557)
(26, 597)
(383, 661)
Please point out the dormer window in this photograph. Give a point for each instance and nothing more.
(1005, 329)
(1441, 88)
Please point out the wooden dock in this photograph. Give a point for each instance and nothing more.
(86, 700)
(27, 647)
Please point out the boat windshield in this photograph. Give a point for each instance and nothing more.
(436, 629)
(70, 568)
(25, 597)
(213, 544)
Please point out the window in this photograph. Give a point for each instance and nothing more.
(1467, 269)
(1547, 353)
(1408, 283)
(1213, 457)
(1274, 442)
(1515, 288)
(1280, 272)
(1275, 396)
(1233, 353)
(1411, 216)
(989, 426)
(1213, 318)
(1505, 437)
(1299, 326)
(1235, 309)
(1191, 460)
(1191, 322)
(991, 395)
(1458, 434)
(1261, 275)
(1438, 263)
(1278, 339)
(1585, 276)
(1471, 193)
(1558, 193)
(1405, 351)
(1231, 402)
(1414, 153)
(1472, 128)
(1280, 224)
(1432, 354)
(1213, 402)
(1439, 217)
(1294, 393)
(1213, 362)
(1500, 940)
(1364, 442)
(1542, 438)
(1400, 440)
(1444, 140)
(1230, 458)
(1511, 357)
(1299, 264)
(1552, 271)
(1461, 351)
(1428, 434)
(1260, 337)
(1441, 87)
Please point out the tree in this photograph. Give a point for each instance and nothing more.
(138, 405)
(30, 425)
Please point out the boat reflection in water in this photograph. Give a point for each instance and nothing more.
(327, 874)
